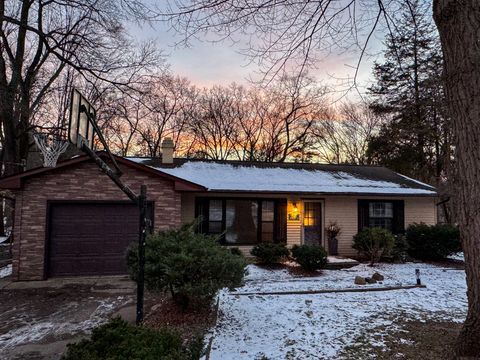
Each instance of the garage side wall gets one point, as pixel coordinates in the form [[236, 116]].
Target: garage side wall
[[85, 182]]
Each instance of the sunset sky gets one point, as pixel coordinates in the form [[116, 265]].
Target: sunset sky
[[206, 63]]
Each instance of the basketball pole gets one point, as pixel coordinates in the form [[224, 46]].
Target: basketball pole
[[141, 200], [142, 204]]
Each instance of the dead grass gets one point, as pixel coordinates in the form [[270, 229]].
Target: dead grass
[[407, 339]]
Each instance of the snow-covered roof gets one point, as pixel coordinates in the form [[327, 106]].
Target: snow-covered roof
[[291, 178]]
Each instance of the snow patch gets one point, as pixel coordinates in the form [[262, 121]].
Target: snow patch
[[6, 271], [458, 256]]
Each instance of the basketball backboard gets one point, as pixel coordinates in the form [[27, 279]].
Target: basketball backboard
[[81, 130]]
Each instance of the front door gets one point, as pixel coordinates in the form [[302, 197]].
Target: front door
[[312, 223]]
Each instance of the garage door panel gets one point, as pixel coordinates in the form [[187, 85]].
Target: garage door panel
[[90, 238]]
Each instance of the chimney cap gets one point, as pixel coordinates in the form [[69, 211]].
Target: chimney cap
[[167, 143]]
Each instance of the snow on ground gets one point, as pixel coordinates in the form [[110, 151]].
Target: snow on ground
[[320, 325], [338, 259], [6, 271], [458, 256]]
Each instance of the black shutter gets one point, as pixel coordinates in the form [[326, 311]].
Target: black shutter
[[363, 209], [201, 211], [398, 225], [281, 221]]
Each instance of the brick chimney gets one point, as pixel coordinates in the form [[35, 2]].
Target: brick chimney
[[167, 151]]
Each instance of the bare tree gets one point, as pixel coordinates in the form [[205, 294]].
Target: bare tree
[[122, 121], [264, 124], [458, 24], [40, 40], [283, 32], [214, 123], [291, 107], [164, 112], [345, 136]]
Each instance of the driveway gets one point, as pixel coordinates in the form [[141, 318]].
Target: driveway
[[38, 319]]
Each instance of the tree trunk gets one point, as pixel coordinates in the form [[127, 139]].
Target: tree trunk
[[458, 22]]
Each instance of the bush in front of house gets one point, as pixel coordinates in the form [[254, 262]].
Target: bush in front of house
[[399, 252], [119, 340], [374, 243], [269, 253], [432, 242], [190, 265], [236, 251], [310, 257]]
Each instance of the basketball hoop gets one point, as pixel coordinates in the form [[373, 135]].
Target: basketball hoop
[[51, 146]]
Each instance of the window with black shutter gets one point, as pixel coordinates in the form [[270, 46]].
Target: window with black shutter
[[385, 214]]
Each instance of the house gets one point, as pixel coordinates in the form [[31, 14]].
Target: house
[[72, 219]]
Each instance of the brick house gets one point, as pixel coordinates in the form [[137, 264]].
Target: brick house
[[72, 220]]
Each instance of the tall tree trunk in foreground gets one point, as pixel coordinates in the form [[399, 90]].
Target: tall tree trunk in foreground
[[458, 22]]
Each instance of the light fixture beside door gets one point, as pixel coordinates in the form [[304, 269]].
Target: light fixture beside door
[[294, 213]]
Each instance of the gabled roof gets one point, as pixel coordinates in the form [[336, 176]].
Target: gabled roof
[[238, 176], [16, 181]]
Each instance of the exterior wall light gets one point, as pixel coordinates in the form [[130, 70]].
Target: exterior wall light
[[294, 214]]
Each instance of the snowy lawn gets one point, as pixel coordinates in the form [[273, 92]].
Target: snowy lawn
[[319, 326]]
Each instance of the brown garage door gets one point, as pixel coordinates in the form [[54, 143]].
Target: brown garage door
[[90, 238]]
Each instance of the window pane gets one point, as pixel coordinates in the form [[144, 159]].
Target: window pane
[[384, 223], [215, 210], [381, 210], [267, 237], [267, 227], [267, 210], [241, 222], [215, 227], [389, 210], [311, 214]]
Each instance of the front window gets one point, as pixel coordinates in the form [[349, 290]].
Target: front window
[[215, 217], [311, 214], [380, 215], [241, 222], [268, 217]]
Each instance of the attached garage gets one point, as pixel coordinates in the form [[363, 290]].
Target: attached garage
[[72, 220], [90, 238]]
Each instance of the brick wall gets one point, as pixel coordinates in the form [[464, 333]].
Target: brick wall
[[83, 181]]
